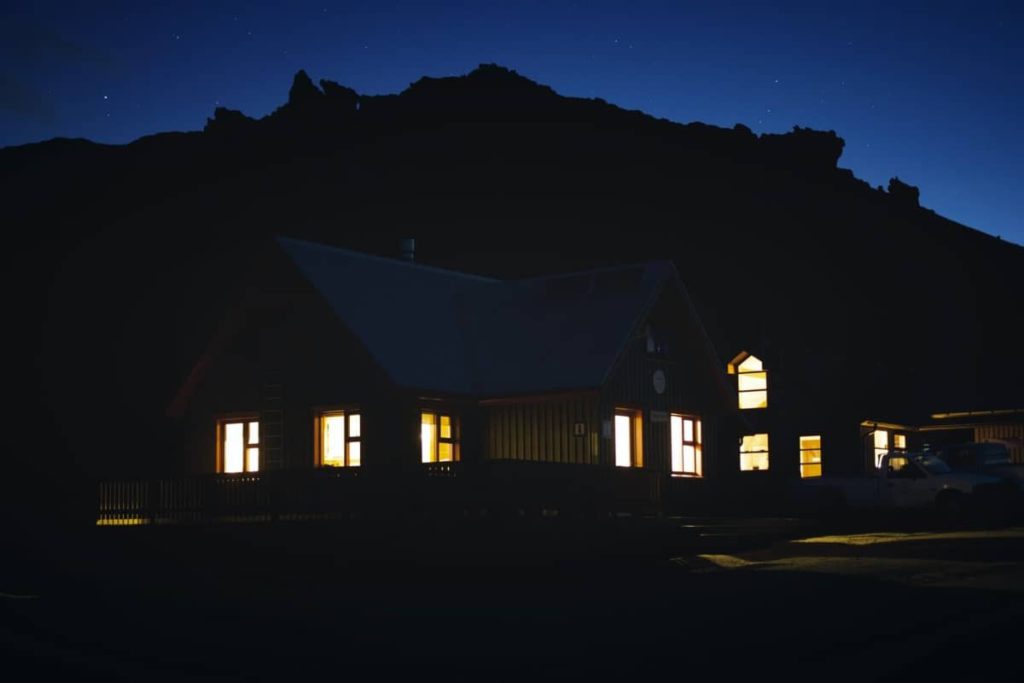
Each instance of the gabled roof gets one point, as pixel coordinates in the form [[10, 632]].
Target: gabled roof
[[443, 331]]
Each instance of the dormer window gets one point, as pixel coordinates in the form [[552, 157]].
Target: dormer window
[[751, 381]]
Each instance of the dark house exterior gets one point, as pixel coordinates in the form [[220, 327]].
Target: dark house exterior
[[340, 374]]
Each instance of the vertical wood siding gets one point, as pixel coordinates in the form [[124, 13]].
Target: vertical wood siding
[[541, 430]]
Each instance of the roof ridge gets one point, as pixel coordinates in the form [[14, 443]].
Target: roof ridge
[[388, 260]]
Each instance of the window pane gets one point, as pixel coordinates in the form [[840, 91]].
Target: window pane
[[354, 453], [752, 381], [700, 464], [428, 437], [233, 446], [446, 427], [254, 433], [751, 364], [754, 442], [807, 442], [688, 430], [699, 438], [753, 399], [689, 459], [622, 441], [753, 461], [899, 441], [252, 459], [333, 440], [354, 426], [881, 438], [676, 440], [810, 470], [444, 452]]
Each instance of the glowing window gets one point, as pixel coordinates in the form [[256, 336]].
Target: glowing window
[[628, 438], [881, 447], [239, 446], [687, 447], [754, 452], [438, 438], [810, 456], [340, 436], [751, 382], [899, 442]]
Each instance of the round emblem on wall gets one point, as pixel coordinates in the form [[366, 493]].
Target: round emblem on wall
[[659, 382]]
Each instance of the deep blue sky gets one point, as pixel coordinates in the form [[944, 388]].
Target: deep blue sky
[[931, 92]]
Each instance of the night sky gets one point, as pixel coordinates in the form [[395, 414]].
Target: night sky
[[931, 92]]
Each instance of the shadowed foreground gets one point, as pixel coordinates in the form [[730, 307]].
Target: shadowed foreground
[[273, 603]]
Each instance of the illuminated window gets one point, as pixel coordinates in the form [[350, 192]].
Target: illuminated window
[[629, 450], [687, 445], [881, 440], [899, 442], [751, 381], [439, 439], [239, 445], [810, 456], [339, 439], [754, 452]]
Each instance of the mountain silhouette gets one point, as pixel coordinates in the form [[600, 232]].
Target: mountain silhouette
[[128, 255]]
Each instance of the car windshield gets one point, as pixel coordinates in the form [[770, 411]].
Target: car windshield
[[932, 464]]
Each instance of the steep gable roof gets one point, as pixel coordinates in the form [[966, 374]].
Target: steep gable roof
[[439, 330]]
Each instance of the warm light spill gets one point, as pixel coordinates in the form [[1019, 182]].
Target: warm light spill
[[622, 441], [754, 452], [881, 438], [810, 456], [676, 434], [234, 438], [333, 439], [428, 437], [252, 459]]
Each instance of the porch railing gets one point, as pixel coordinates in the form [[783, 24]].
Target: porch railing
[[459, 488]]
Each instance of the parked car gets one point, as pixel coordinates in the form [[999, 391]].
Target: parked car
[[983, 458], [906, 480]]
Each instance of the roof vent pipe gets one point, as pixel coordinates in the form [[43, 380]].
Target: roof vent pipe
[[407, 247]]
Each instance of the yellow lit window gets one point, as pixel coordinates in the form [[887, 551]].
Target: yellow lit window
[[628, 427], [339, 436], [754, 452], [239, 446], [881, 447], [751, 381], [899, 442], [687, 448], [438, 438], [810, 456]]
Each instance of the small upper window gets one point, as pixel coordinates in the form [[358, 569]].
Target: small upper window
[[751, 381]]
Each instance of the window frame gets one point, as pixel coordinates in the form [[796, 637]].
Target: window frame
[[319, 425], [819, 463], [635, 438], [453, 439], [245, 419], [697, 442], [734, 368], [766, 452]]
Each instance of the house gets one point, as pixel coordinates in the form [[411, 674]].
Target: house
[[349, 384]]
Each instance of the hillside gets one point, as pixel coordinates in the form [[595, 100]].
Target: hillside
[[127, 254]]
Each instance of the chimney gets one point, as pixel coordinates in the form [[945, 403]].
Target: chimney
[[407, 248]]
